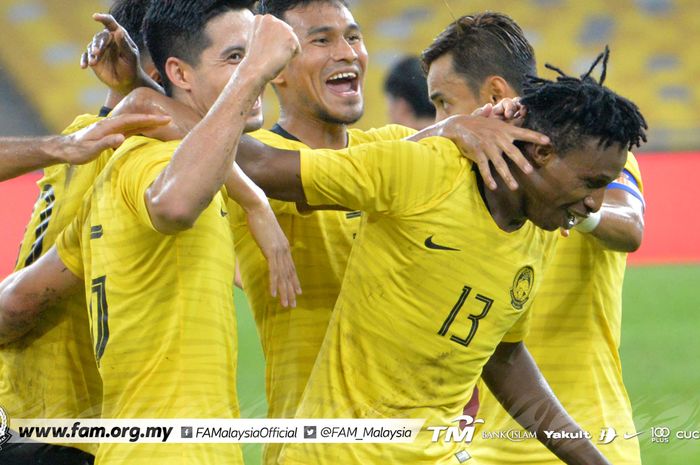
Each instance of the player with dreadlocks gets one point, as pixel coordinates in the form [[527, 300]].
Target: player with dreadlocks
[[443, 271]]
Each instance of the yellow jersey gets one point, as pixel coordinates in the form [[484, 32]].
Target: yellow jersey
[[161, 308], [432, 286], [50, 372], [574, 338], [320, 242]]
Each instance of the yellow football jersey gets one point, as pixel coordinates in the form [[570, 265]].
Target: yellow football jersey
[[432, 286], [161, 308], [50, 372], [320, 243], [574, 338]]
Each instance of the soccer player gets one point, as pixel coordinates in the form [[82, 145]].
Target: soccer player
[[443, 271], [407, 94], [575, 325], [320, 92], [153, 241], [50, 372]]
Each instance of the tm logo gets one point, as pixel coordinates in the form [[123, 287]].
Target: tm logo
[[455, 433]]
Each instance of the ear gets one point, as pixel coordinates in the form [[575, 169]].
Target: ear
[[542, 154], [179, 73], [281, 77], [495, 88]]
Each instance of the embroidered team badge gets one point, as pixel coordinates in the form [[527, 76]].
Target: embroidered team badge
[[522, 285]]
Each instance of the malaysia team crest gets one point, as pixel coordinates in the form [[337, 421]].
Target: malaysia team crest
[[4, 427], [522, 286]]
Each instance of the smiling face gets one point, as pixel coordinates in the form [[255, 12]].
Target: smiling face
[[228, 36], [450, 92], [325, 80], [569, 185]]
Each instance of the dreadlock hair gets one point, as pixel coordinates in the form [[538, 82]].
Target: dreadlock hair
[[278, 8], [130, 14], [571, 108], [176, 28]]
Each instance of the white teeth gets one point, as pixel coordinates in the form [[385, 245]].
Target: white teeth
[[343, 76]]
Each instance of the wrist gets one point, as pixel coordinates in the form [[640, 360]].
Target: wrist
[[590, 223], [53, 150]]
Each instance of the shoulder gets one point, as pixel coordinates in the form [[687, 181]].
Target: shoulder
[[80, 122], [388, 132]]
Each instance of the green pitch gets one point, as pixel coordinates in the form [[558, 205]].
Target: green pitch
[[660, 350]]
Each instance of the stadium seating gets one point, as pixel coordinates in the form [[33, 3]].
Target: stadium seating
[[654, 43]]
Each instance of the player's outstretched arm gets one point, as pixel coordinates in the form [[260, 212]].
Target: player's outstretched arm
[[115, 59], [268, 234], [514, 379], [619, 224], [204, 160], [485, 139], [25, 294], [22, 155]]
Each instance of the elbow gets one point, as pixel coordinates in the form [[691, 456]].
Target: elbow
[[170, 216], [633, 238], [17, 316]]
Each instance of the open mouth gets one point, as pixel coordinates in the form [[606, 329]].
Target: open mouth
[[344, 84]]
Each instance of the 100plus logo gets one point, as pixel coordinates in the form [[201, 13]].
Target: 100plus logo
[[456, 433]]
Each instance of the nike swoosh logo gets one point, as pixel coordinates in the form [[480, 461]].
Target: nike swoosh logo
[[432, 245], [223, 213], [630, 436]]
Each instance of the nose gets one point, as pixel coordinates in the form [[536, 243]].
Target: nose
[[343, 51], [594, 201]]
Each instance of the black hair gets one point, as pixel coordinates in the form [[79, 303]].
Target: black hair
[[278, 8], [406, 80], [175, 28], [570, 108], [130, 15], [483, 45]]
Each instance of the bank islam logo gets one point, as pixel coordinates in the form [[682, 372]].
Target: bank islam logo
[[455, 433], [4, 427]]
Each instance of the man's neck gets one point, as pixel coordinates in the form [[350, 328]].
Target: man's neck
[[506, 206], [314, 132]]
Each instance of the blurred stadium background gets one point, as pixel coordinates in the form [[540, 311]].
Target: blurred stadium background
[[655, 62]]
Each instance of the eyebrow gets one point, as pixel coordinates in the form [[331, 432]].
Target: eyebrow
[[435, 95], [324, 29], [233, 48]]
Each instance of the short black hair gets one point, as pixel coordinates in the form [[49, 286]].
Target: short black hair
[[570, 109], [406, 80], [278, 8], [175, 28], [130, 14], [483, 45]]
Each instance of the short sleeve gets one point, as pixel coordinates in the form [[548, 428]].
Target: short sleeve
[[137, 173], [520, 329], [630, 180], [69, 241], [393, 177]]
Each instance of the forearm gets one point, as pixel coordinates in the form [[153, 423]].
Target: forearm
[[142, 81], [620, 229], [19, 311], [513, 377], [23, 155], [277, 172], [242, 190], [203, 160]]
